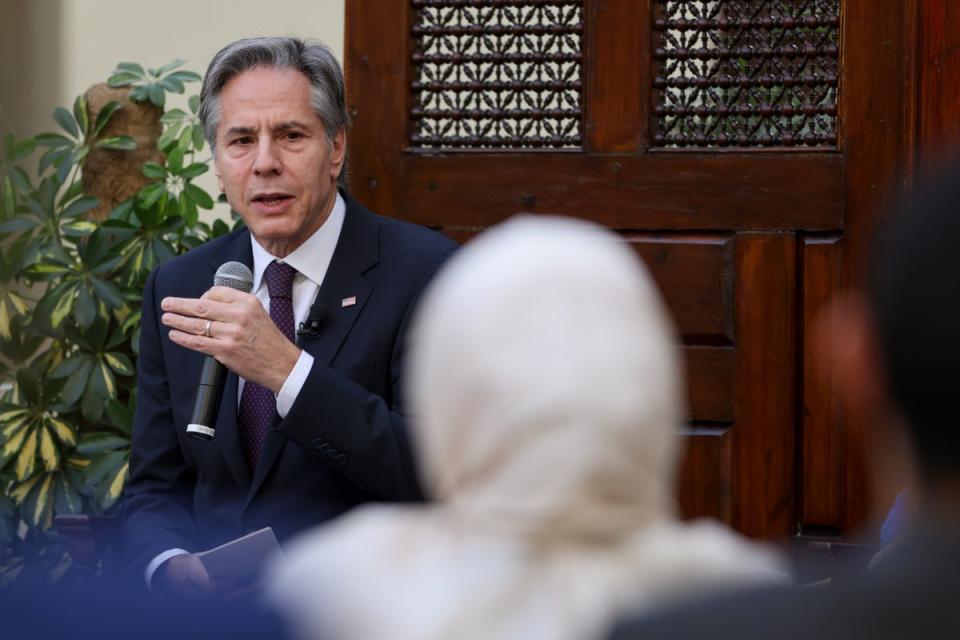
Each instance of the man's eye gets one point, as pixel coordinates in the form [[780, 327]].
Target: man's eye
[[293, 135], [243, 140]]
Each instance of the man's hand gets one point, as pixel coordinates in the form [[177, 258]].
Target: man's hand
[[241, 335], [184, 576]]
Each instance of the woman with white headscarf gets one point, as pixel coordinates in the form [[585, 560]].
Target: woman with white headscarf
[[547, 403]]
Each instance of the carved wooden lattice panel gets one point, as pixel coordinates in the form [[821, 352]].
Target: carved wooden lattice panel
[[497, 74], [746, 73]]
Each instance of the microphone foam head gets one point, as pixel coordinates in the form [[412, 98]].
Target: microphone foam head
[[235, 275]]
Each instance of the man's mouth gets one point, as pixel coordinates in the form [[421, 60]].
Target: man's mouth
[[272, 198]]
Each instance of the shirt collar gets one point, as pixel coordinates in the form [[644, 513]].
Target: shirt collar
[[311, 258]]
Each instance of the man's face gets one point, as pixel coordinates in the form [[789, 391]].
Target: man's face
[[273, 159]]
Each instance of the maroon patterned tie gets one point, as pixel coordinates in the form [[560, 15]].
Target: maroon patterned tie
[[258, 405]]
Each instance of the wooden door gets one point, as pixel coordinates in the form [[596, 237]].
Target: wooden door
[[741, 146]]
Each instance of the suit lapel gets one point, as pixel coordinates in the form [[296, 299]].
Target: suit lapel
[[228, 435], [357, 252]]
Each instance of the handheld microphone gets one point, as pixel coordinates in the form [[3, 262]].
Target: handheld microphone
[[213, 375], [313, 326]]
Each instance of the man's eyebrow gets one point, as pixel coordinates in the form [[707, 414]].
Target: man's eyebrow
[[239, 131], [290, 124]]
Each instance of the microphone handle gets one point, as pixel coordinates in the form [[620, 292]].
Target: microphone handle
[[209, 391]]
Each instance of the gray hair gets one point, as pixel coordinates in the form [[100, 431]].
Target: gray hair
[[313, 59]]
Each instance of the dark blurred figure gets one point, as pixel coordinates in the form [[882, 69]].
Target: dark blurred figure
[[896, 349], [105, 609]]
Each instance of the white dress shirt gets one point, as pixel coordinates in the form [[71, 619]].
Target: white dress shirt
[[311, 260]]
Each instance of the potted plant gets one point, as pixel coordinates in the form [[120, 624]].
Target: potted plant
[[85, 214]]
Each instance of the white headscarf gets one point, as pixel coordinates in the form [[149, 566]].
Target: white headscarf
[[547, 401]]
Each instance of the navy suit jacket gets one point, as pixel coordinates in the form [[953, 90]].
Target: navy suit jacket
[[344, 440]]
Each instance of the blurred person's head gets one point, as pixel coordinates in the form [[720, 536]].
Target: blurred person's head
[[545, 383], [546, 402], [896, 346], [914, 292]]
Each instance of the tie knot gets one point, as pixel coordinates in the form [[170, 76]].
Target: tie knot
[[279, 277]]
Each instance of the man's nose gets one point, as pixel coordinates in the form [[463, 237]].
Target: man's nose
[[267, 160]]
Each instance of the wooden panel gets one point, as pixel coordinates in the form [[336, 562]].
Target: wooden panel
[[763, 480], [822, 438], [878, 111], [617, 82], [705, 471], [939, 63], [375, 47], [654, 191], [695, 275], [710, 383]]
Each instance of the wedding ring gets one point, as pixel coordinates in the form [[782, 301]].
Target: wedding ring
[[206, 329]]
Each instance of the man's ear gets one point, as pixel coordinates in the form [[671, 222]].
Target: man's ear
[[338, 152]]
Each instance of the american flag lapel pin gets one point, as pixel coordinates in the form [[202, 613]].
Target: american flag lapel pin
[[348, 302]]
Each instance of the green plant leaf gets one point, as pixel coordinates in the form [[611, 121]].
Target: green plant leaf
[[82, 114], [198, 139], [168, 137], [173, 116], [170, 66], [118, 143], [185, 76], [20, 179], [63, 431], [154, 171], [121, 416], [68, 366], [29, 385], [53, 157], [175, 161], [96, 443], [38, 507], [19, 493], [199, 196], [113, 486], [102, 381], [66, 497], [131, 67], [108, 293], [156, 94], [84, 309], [49, 453], [78, 228], [119, 363], [172, 84], [150, 194], [122, 210], [66, 121], [188, 209], [103, 466], [53, 140], [18, 224], [13, 444], [26, 460], [91, 406], [56, 304], [77, 382], [194, 169], [123, 79], [79, 206], [106, 113]]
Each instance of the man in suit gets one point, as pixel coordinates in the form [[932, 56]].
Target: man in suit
[[309, 426], [894, 349]]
